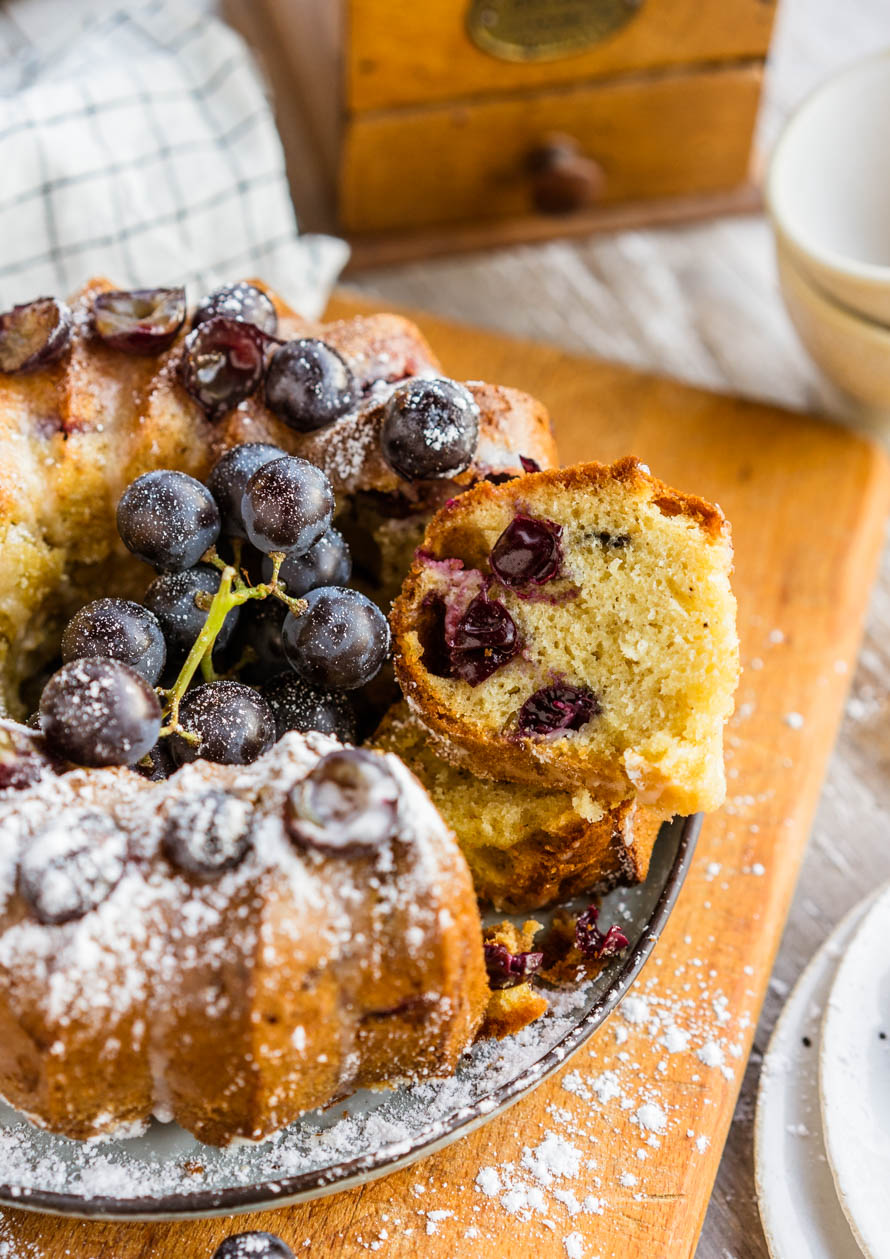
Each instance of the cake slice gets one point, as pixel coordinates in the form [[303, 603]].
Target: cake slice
[[576, 629], [527, 847]]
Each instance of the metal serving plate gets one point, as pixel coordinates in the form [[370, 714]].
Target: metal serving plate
[[166, 1173]]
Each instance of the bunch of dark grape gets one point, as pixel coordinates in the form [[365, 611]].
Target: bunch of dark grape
[[125, 693], [301, 629]]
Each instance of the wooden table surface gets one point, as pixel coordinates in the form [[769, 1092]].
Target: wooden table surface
[[702, 304]]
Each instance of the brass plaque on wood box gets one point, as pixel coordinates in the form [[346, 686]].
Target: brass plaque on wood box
[[541, 30]]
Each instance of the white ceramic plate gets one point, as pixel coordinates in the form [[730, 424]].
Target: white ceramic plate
[[854, 1080], [167, 1174], [795, 1189]]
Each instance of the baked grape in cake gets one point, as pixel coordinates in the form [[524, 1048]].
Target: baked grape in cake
[[207, 833], [309, 385], [430, 429], [347, 803], [222, 363], [34, 335], [239, 301], [142, 321], [576, 629]]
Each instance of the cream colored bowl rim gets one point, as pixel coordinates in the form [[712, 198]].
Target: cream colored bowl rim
[[845, 318], [872, 273]]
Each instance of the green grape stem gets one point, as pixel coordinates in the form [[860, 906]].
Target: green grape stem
[[233, 590]]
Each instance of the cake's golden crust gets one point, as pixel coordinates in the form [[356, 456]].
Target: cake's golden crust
[[72, 436], [526, 848], [465, 739]]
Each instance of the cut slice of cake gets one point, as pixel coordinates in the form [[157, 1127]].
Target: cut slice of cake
[[527, 847], [576, 629]]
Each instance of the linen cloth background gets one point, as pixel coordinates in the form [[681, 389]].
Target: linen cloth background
[[137, 142]]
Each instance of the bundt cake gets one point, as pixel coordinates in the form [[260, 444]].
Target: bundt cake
[[576, 629], [526, 846], [203, 924], [232, 946], [82, 418]]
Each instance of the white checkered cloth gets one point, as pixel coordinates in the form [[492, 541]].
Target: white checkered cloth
[[136, 142]]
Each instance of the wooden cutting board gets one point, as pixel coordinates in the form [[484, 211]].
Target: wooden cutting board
[[808, 503]]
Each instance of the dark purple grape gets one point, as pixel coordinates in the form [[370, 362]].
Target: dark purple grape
[[120, 629], [309, 385], [24, 757], [430, 430], [435, 653], [327, 563], [253, 1246], [239, 301], [34, 335], [171, 598], [71, 865], [558, 707], [234, 724], [142, 321], [340, 642], [260, 629], [596, 944], [298, 706], [528, 551], [222, 363], [160, 763], [206, 832], [506, 969], [229, 477], [168, 519], [348, 803], [99, 711], [484, 639], [287, 505]]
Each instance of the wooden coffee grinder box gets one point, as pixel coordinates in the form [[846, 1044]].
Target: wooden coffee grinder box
[[414, 126]]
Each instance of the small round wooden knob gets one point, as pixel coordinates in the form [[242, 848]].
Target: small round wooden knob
[[562, 178]]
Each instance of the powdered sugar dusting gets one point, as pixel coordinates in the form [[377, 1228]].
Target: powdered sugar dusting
[[108, 946], [368, 1126]]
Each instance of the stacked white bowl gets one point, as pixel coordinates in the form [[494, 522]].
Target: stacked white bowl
[[828, 197]]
